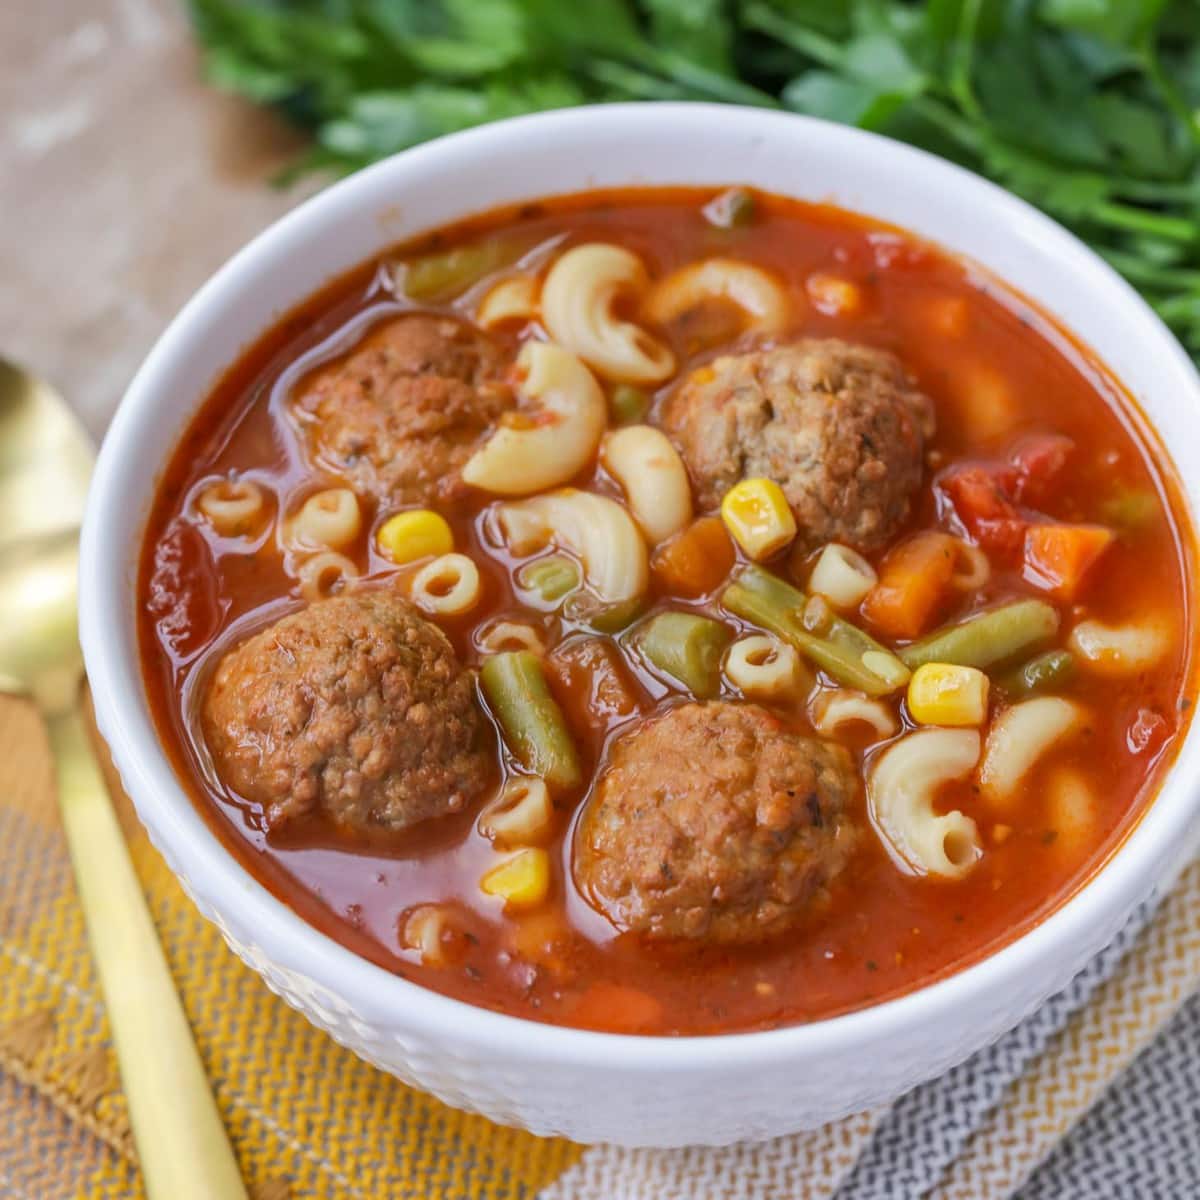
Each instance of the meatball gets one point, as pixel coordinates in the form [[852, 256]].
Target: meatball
[[714, 822], [400, 415], [355, 707], [841, 428]]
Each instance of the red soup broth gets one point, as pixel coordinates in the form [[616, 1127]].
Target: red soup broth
[[997, 370]]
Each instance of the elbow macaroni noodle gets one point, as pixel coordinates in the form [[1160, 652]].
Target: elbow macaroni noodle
[[900, 793], [833, 708], [653, 477], [1120, 649], [761, 665], [509, 635], [842, 576], [1019, 736], [577, 310], [232, 506], [759, 296], [519, 460], [521, 815], [513, 299], [447, 586], [597, 530], [327, 520], [325, 573]]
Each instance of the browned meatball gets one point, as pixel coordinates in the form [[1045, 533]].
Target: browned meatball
[[355, 707], [840, 427], [400, 415], [714, 823]]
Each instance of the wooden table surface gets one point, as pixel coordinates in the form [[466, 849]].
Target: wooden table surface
[[124, 182]]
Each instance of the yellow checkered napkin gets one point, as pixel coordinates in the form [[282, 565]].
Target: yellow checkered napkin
[[309, 1119]]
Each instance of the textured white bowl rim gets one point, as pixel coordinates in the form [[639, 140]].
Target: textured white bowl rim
[[377, 995]]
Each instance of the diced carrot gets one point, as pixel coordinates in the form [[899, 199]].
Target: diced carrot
[[1058, 557], [982, 498], [914, 580], [696, 560], [1039, 461], [616, 1008]]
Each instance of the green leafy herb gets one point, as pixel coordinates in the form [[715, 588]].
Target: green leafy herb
[[1088, 108]]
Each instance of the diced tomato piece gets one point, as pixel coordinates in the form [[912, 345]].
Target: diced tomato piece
[[914, 579], [1058, 557], [982, 498], [1039, 460]]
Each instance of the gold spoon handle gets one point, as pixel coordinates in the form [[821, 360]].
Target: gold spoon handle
[[184, 1151]]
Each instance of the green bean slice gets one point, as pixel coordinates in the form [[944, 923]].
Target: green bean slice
[[688, 648], [589, 610], [448, 273], [629, 404], [842, 650], [988, 637], [551, 577], [1041, 673], [1130, 508], [534, 727]]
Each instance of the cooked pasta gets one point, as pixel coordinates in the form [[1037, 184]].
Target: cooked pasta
[[1019, 736], [554, 443], [900, 792], [521, 815], [513, 299], [1120, 649], [597, 530], [325, 573], [509, 635], [832, 709], [842, 576], [426, 929], [759, 296], [763, 666], [233, 507], [329, 519], [653, 477], [1070, 808], [447, 586], [577, 310]]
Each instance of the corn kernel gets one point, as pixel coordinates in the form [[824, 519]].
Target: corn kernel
[[409, 536], [522, 881], [946, 694], [757, 514]]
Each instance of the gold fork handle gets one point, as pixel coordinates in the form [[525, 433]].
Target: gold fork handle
[[184, 1151]]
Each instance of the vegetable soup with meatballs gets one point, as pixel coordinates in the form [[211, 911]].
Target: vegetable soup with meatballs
[[668, 612]]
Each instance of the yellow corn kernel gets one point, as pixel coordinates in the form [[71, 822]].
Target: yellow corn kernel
[[757, 514], [409, 536], [945, 694], [521, 880]]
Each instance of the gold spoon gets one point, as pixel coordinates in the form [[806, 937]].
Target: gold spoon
[[45, 465]]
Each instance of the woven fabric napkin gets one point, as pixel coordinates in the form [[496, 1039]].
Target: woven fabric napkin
[[1096, 1095]]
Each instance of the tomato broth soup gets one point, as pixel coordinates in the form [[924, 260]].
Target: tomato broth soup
[[668, 611]]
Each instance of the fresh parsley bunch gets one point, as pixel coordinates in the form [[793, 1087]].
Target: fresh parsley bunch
[[1087, 108]]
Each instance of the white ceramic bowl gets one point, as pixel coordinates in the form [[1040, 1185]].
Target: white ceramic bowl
[[592, 1086]]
